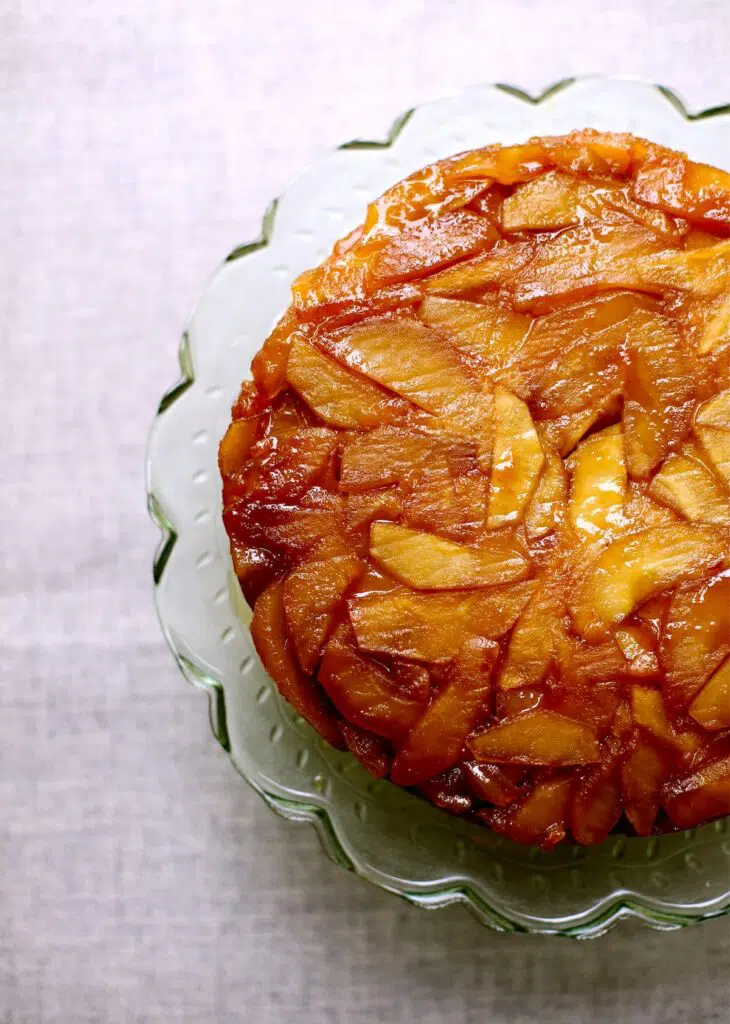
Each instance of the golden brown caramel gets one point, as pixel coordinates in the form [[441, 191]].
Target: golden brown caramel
[[478, 492]]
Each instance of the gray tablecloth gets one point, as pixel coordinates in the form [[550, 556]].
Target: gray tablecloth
[[140, 879]]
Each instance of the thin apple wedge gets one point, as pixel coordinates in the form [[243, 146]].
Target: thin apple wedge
[[537, 738], [531, 646], [437, 741], [685, 188], [494, 783], [312, 593], [712, 426], [643, 773], [288, 529], [596, 804], [659, 393], [700, 796], [340, 397], [541, 817], [488, 331], [453, 506], [685, 484], [548, 503], [634, 568], [373, 752], [236, 444], [433, 627], [696, 638], [517, 460], [598, 483], [268, 629], [497, 267], [636, 643], [364, 693], [427, 562], [711, 706], [390, 455]]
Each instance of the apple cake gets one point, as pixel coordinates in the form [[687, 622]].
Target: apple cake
[[478, 490]]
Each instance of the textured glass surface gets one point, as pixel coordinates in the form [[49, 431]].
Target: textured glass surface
[[371, 827]]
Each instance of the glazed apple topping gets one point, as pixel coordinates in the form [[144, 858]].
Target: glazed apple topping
[[478, 490]]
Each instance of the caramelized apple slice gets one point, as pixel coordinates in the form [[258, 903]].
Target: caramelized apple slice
[[338, 396], [716, 331], [685, 484], [712, 426], [492, 782], [362, 509], [427, 562], [268, 631], [236, 444], [532, 644], [364, 693], [517, 460], [389, 455], [711, 706], [583, 261], [373, 752], [437, 741], [537, 737], [636, 643], [489, 331], [497, 267], [289, 529], [648, 711], [564, 432], [455, 507], [685, 188], [433, 627], [312, 593], [558, 200], [598, 483], [696, 638], [434, 243], [547, 505], [541, 818], [596, 805], [700, 796], [632, 569], [643, 773], [412, 360], [659, 392]]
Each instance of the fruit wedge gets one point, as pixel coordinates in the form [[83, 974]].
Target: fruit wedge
[[659, 392], [537, 738], [517, 460], [337, 395], [711, 706], [426, 247], [542, 816], [700, 796], [632, 569], [696, 638], [643, 773], [455, 507], [236, 444], [596, 804], [389, 455], [598, 483], [373, 752], [364, 693], [312, 593], [712, 426], [427, 562], [437, 741], [685, 188], [492, 782], [636, 643], [433, 627], [532, 644], [268, 629], [487, 332], [497, 267], [548, 503], [685, 484]]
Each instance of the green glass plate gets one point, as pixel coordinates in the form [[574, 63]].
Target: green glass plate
[[371, 827]]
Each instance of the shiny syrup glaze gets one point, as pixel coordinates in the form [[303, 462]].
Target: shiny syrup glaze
[[477, 492]]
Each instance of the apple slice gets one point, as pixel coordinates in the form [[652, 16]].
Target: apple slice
[[364, 693], [541, 818], [596, 805], [660, 392], [643, 773], [497, 267], [634, 568], [517, 460], [268, 630], [437, 741], [712, 426], [547, 505], [312, 593], [685, 484], [598, 483], [373, 752], [288, 529], [636, 643], [422, 248], [236, 444], [696, 638], [648, 711], [700, 796], [488, 331], [340, 397], [389, 455], [427, 562], [362, 509], [716, 331], [685, 189], [433, 627], [535, 738], [531, 644], [455, 507], [711, 706], [492, 782]]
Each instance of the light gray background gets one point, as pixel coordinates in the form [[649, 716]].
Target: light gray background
[[141, 880]]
